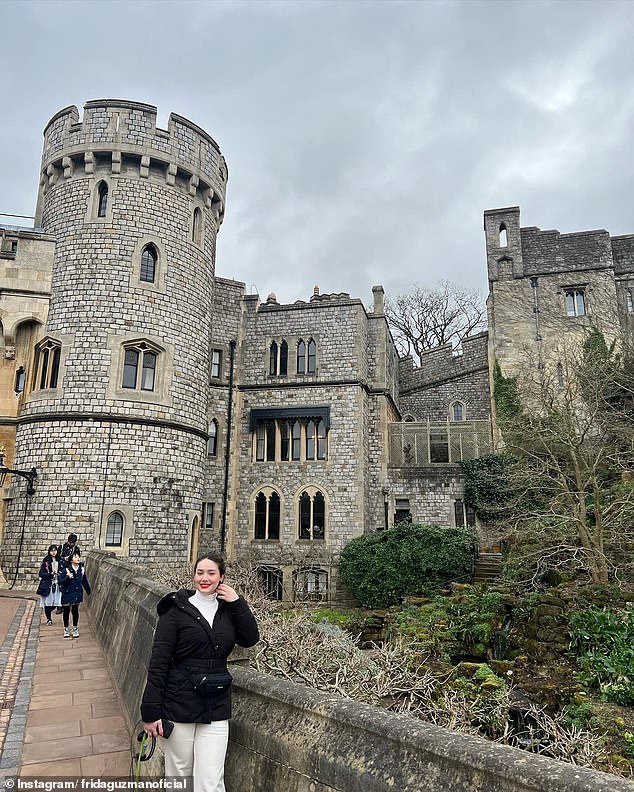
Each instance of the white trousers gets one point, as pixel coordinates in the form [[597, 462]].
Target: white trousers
[[198, 750]]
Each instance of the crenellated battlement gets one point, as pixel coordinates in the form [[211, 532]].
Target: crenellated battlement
[[120, 133]]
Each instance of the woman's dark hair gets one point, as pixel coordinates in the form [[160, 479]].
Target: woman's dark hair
[[72, 537], [76, 552], [216, 558], [50, 547]]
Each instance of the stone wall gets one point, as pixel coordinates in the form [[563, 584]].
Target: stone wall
[[289, 738]]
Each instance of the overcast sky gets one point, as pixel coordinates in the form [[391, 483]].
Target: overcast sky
[[364, 139]]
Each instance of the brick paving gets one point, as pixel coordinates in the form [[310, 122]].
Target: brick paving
[[59, 712]]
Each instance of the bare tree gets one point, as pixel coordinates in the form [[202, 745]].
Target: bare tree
[[568, 424], [425, 318]]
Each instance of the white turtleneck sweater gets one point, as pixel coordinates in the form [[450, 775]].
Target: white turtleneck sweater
[[207, 604]]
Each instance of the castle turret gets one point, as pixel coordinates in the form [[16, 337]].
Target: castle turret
[[115, 418]]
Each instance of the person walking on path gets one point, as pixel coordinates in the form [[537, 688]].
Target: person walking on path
[[188, 682], [64, 552], [73, 581], [49, 588]]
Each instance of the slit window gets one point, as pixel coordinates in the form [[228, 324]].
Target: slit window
[[212, 443], [216, 363], [102, 199], [628, 301], [503, 237]]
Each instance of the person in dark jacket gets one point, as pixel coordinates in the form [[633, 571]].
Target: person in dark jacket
[[188, 682], [49, 589], [73, 581]]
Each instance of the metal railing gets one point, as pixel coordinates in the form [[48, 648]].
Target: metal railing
[[438, 442]]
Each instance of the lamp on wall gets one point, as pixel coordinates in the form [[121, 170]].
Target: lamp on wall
[[29, 475]]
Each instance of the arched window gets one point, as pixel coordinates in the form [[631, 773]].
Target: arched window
[[312, 357], [212, 443], [301, 357], [312, 515], [457, 411], [102, 199], [267, 515], [503, 238], [114, 530], [149, 258], [47, 359], [283, 359], [196, 226], [139, 367], [273, 359]]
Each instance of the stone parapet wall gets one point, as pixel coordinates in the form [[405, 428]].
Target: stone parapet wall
[[290, 738]]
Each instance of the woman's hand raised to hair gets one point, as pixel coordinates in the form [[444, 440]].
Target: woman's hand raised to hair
[[226, 593]]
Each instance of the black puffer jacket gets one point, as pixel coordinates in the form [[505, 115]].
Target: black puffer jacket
[[185, 644]]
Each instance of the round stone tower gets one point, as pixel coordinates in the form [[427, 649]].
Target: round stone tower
[[115, 418]]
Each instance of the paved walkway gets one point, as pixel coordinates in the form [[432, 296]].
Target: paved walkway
[[59, 712]]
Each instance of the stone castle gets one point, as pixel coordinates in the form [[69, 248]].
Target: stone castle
[[166, 410]]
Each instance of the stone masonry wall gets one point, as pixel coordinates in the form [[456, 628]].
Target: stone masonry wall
[[285, 737]]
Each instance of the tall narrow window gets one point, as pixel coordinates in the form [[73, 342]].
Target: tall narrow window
[[139, 367], [503, 238], [304, 516], [260, 441], [216, 363], [458, 508], [321, 440], [149, 257], [209, 515], [310, 440], [283, 359], [312, 357], [260, 516], [575, 302], [296, 441], [284, 441], [196, 226], [628, 301], [301, 358], [273, 359], [212, 443], [20, 379], [102, 203], [149, 371], [114, 530], [270, 441]]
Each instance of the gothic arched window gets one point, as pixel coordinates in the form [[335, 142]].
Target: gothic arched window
[[149, 259], [102, 199]]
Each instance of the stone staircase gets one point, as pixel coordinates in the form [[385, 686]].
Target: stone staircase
[[487, 567]]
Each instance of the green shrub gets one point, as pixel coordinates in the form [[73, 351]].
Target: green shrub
[[603, 640], [379, 569]]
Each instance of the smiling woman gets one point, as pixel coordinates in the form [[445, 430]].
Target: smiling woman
[[188, 682]]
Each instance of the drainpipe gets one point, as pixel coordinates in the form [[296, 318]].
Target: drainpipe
[[223, 530]]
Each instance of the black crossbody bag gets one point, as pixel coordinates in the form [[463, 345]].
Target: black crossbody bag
[[207, 683]]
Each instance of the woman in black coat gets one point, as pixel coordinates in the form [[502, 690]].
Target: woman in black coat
[[49, 590], [73, 580], [188, 682]]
